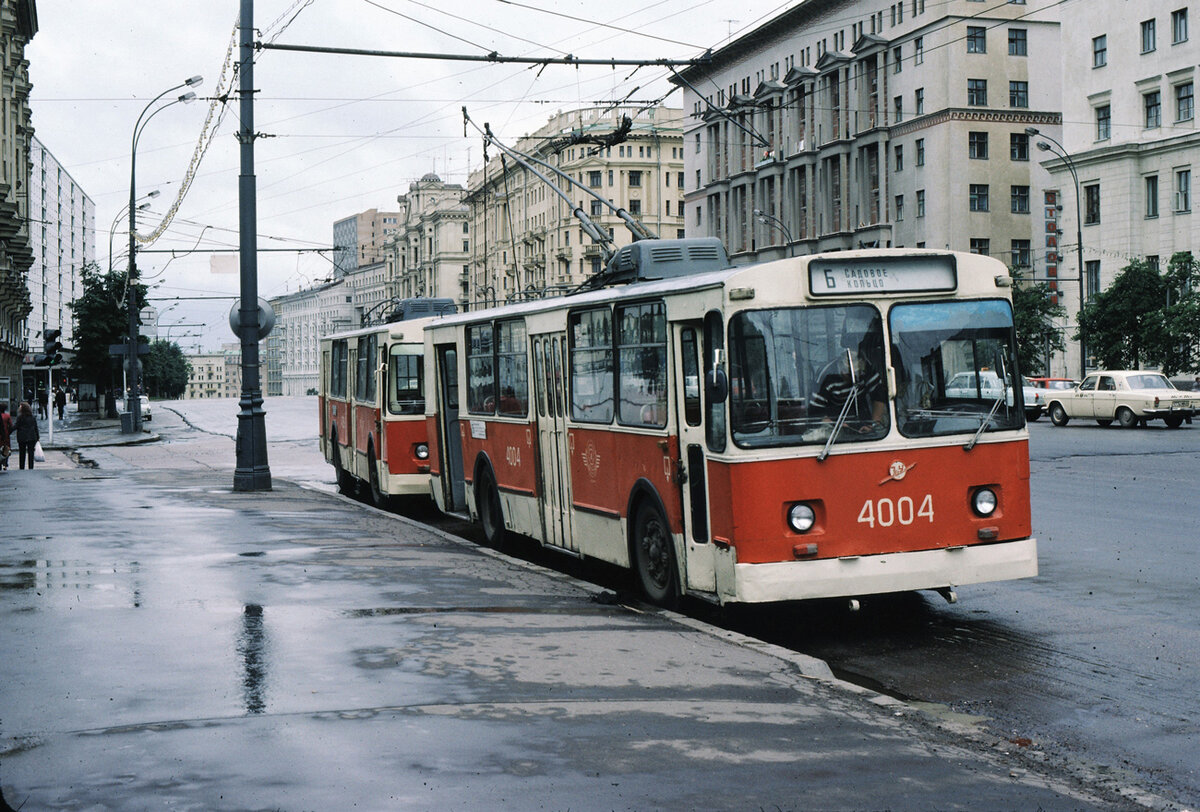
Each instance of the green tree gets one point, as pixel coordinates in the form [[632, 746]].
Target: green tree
[[1177, 345], [1123, 325], [166, 370], [1034, 313], [101, 319]]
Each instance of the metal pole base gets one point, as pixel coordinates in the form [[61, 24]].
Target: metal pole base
[[252, 472]]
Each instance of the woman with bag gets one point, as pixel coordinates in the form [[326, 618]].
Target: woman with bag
[[5, 438], [27, 433]]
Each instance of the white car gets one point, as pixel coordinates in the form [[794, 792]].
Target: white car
[[144, 402], [1127, 396], [1034, 400]]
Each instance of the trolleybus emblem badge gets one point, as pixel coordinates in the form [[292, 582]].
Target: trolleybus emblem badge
[[591, 460], [897, 471]]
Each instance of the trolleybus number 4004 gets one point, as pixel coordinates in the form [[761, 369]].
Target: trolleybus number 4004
[[885, 513]]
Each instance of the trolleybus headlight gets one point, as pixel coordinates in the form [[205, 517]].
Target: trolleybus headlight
[[984, 502], [801, 518], [422, 451]]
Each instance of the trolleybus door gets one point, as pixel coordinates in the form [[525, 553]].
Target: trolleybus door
[[553, 457], [450, 448], [689, 381]]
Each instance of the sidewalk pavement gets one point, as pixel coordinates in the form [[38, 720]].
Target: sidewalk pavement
[[90, 430], [170, 643]]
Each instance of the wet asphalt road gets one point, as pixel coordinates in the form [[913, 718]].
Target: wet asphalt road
[[1091, 665]]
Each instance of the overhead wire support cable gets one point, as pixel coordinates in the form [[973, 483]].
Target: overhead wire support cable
[[762, 142], [494, 56]]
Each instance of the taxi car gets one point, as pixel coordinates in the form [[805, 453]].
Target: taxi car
[[989, 385], [1127, 396]]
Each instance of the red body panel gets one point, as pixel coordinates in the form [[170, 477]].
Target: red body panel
[[399, 438], [366, 421], [511, 449], [433, 438], [749, 501], [337, 417], [606, 464]]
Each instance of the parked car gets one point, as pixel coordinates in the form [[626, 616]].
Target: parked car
[[144, 401], [1035, 401], [1053, 383], [987, 386], [1127, 396]]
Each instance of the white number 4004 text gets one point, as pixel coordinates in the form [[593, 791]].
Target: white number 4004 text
[[885, 512]]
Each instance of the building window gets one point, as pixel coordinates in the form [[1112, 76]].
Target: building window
[[1020, 200], [899, 152], [977, 92], [1151, 182], [1018, 94], [920, 202], [697, 148], [635, 178], [597, 208], [1092, 274], [610, 175], [635, 207], [1018, 147], [920, 146], [898, 102], [595, 178], [1022, 255], [1103, 123], [1017, 42], [919, 99], [976, 39], [1153, 104], [899, 207], [1183, 190], [1179, 26], [981, 245], [1149, 37], [977, 145], [1091, 204], [918, 50], [1099, 51], [1184, 102], [897, 59], [979, 197]]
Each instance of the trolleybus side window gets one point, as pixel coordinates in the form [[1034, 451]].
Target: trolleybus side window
[[714, 353], [795, 373], [406, 381], [481, 374], [955, 365], [591, 366], [512, 366], [642, 364], [337, 370], [364, 384], [691, 376]]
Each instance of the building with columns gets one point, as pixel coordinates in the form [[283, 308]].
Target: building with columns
[[428, 254], [526, 239], [845, 124]]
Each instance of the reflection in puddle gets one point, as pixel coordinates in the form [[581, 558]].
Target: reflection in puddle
[[251, 647]]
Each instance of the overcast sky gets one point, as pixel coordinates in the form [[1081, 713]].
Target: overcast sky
[[346, 133]]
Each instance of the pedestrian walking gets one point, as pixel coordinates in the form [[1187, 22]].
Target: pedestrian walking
[[6, 428], [60, 401], [43, 401], [27, 433]]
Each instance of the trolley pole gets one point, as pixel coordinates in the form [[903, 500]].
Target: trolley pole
[[252, 472]]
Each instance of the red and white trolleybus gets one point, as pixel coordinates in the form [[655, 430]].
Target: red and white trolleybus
[[372, 407], [787, 430]]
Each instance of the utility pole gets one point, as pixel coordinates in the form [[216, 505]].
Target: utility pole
[[252, 472]]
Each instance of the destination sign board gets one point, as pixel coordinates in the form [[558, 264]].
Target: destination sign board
[[831, 276]]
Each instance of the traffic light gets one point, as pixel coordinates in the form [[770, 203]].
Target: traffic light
[[51, 350]]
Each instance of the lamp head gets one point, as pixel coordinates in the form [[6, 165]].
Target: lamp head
[[1043, 146], [153, 193], [193, 81], [758, 212], [187, 98], [1032, 131]]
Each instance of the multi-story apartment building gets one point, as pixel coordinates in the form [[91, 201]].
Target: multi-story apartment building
[[216, 374], [526, 239], [63, 234], [301, 319], [360, 239], [844, 124], [429, 253], [1129, 132], [18, 25]]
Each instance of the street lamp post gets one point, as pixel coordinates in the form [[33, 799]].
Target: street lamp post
[[1045, 146], [770, 219], [131, 401], [113, 228]]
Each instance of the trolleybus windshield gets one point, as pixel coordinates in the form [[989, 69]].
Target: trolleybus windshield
[[954, 365]]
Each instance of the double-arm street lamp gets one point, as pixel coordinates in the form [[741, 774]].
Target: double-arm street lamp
[[770, 219], [135, 407], [1059, 150]]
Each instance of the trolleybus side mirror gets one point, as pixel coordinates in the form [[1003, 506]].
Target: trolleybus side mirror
[[716, 384]]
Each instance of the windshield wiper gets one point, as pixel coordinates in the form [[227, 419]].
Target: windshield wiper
[[1002, 397]]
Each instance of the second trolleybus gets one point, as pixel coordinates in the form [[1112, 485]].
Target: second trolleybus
[[788, 430]]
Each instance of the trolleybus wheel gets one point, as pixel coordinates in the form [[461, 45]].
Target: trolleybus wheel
[[378, 497], [654, 556], [345, 482], [491, 514], [1126, 418], [1106, 422], [1058, 415]]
